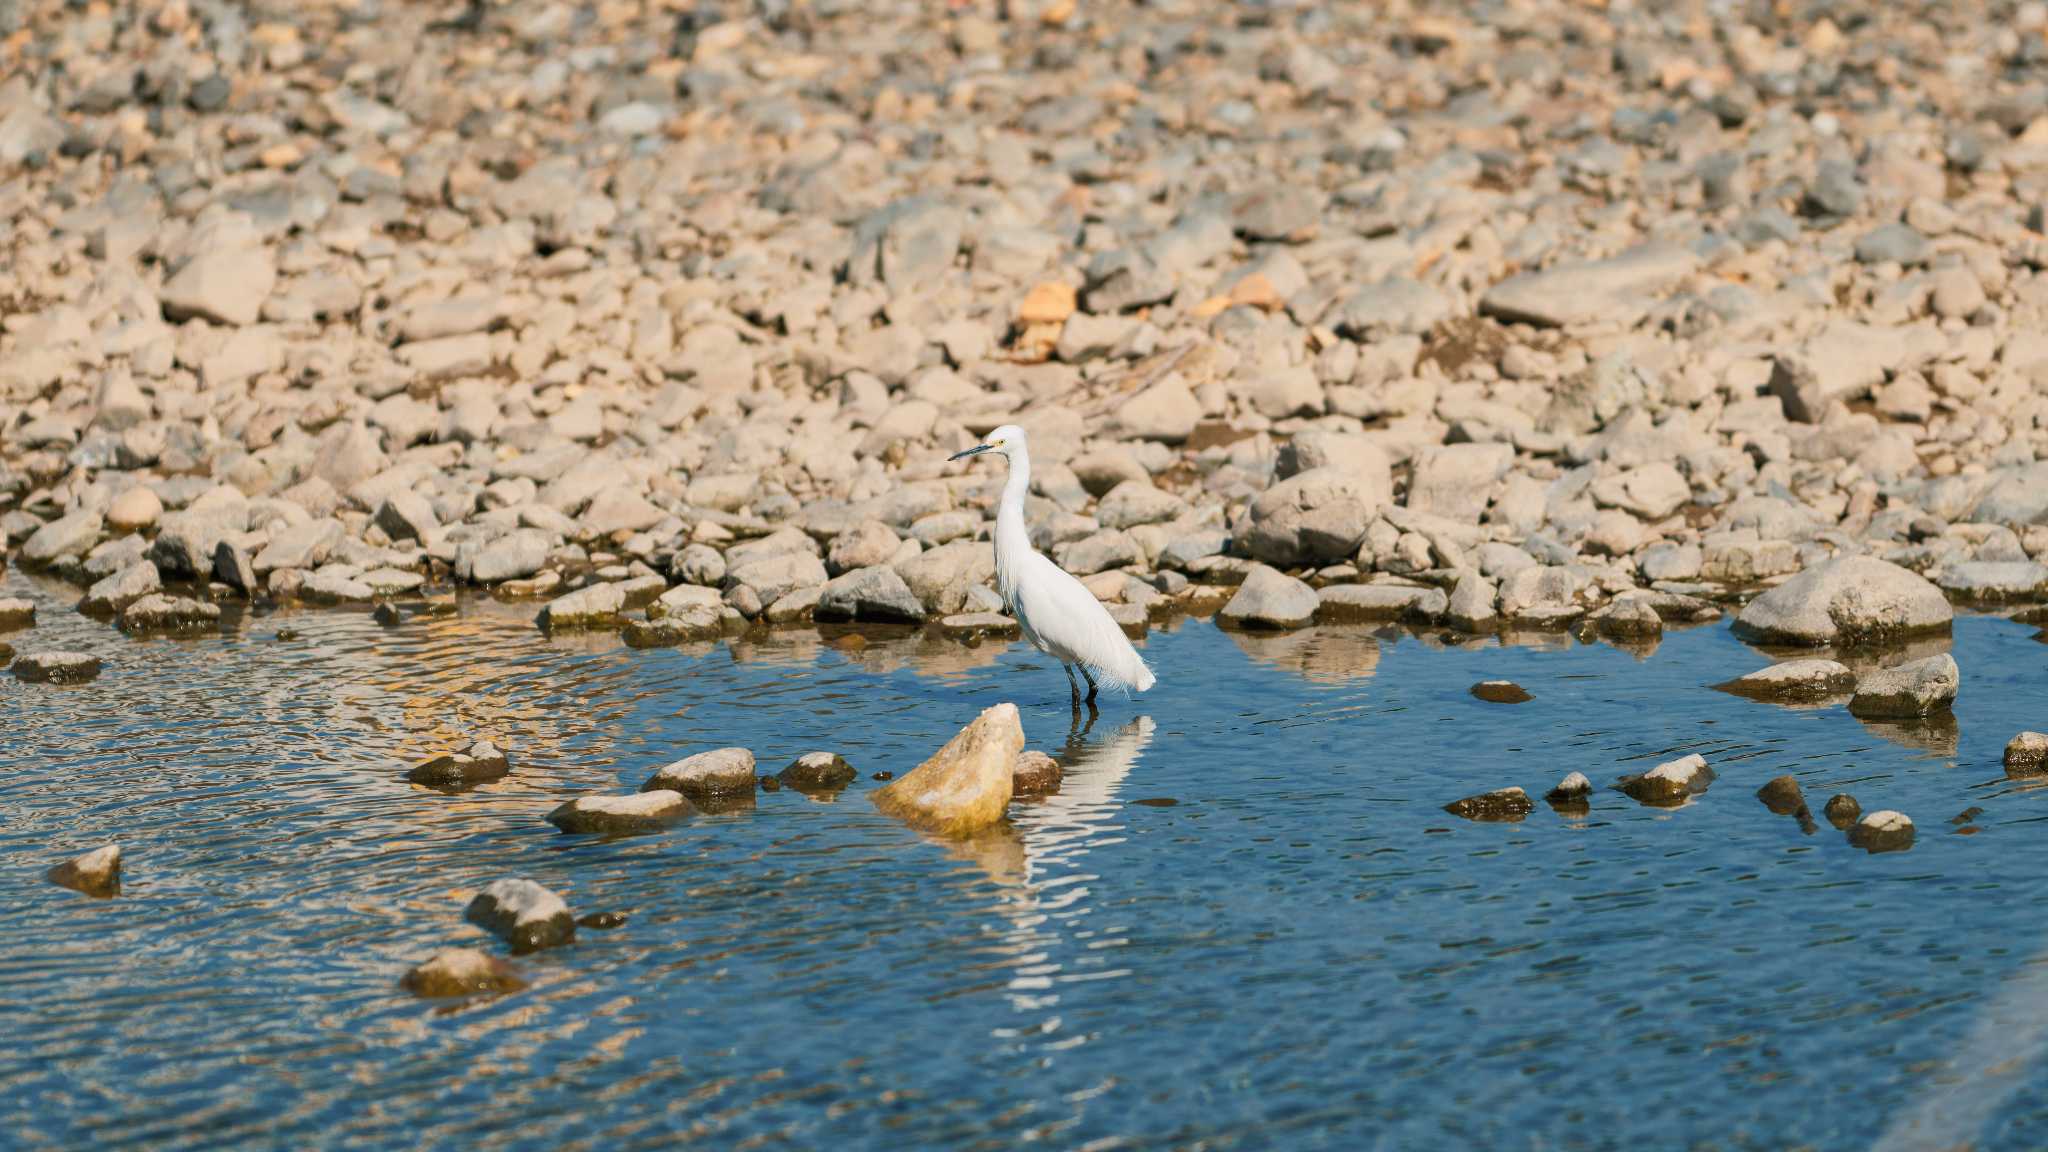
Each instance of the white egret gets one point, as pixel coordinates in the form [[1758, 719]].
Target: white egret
[[1058, 614]]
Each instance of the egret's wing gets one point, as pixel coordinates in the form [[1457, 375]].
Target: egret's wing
[[1074, 627]]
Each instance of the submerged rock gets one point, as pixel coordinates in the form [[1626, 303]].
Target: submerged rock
[[2027, 755], [120, 589], [965, 786], [97, 873], [719, 773], [1501, 692], [594, 607], [1915, 688], [1851, 600], [480, 763], [52, 667], [1842, 810], [1269, 598], [602, 921], [1036, 774], [621, 815], [817, 772], [1782, 795], [527, 915], [461, 972], [1671, 783], [1500, 804], [1794, 682], [1882, 831]]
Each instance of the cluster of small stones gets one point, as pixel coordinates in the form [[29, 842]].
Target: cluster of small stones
[[1479, 315]]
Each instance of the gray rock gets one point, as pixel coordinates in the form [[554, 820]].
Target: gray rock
[[232, 567], [121, 589], [1456, 481], [621, 815], [1167, 411], [1397, 305], [864, 545], [528, 916], [157, 614], [1341, 603], [1994, 580], [335, 587], [874, 594], [224, 285], [1099, 553], [513, 556], [1850, 600], [1289, 213], [1136, 502], [1794, 681], [1471, 607], [1916, 688], [66, 536], [2016, 497], [1319, 516], [704, 565], [1269, 598], [774, 576], [596, 606], [1892, 243], [1670, 783], [304, 545], [707, 776], [407, 516], [54, 667], [480, 763], [1612, 289], [1628, 618]]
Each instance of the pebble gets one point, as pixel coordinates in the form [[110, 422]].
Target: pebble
[[1036, 774], [1501, 692], [817, 773], [479, 763], [1671, 783], [1842, 810]]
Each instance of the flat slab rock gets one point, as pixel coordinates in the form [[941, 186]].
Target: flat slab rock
[[1671, 783], [461, 972], [480, 763], [527, 915], [720, 772], [157, 613], [1794, 681], [1500, 804], [621, 815], [52, 667], [1916, 688]]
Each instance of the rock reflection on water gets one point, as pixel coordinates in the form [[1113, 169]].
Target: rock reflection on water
[[1324, 654]]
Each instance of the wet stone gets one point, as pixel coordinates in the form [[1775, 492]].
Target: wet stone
[[719, 773], [1882, 831], [16, 614], [2027, 754], [157, 614], [53, 667], [1501, 692], [1782, 795], [1671, 783], [1036, 774], [1794, 681], [964, 787], [817, 772], [602, 921], [1501, 804], [621, 815], [1966, 816], [1574, 788], [1914, 689], [528, 916], [97, 873], [387, 614], [480, 763], [1842, 810], [461, 972]]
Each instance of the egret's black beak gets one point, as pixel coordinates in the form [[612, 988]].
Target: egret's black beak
[[977, 450]]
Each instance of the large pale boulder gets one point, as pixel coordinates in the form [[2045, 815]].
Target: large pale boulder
[[1851, 600], [965, 786], [1321, 515]]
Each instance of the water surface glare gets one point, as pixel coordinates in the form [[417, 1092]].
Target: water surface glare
[[1303, 951]]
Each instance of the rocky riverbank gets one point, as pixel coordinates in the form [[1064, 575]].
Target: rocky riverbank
[[1476, 315]]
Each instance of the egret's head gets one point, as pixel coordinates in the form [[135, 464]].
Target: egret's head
[[1008, 441]]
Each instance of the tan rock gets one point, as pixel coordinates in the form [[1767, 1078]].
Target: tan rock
[[1049, 302], [461, 972], [965, 786]]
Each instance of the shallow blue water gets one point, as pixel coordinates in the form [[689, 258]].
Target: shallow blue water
[[1304, 951]]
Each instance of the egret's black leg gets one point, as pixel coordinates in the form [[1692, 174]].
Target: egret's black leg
[[1090, 677], [1073, 687]]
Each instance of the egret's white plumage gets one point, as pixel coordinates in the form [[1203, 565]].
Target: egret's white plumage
[[1058, 614]]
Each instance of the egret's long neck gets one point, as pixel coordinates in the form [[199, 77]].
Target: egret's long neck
[[1013, 540]]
